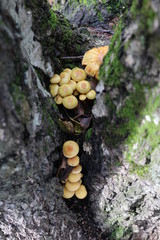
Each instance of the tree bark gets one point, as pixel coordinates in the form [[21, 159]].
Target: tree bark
[[120, 156]]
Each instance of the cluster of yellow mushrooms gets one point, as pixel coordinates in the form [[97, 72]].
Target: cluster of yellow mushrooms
[[70, 84], [73, 185]]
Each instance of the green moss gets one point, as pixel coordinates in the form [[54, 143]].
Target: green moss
[[53, 21], [117, 233], [88, 134], [48, 119]]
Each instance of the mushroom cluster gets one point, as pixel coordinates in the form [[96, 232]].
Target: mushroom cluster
[[70, 85], [73, 185]]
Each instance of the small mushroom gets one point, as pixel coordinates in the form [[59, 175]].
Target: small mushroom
[[92, 69], [72, 84], [65, 90], [67, 194], [58, 99], [77, 169], [91, 95], [75, 93], [65, 78], [68, 70], [73, 186], [73, 161], [53, 89], [70, 102], [82, 97], [81, 192], [83, 86], [78, 74], [74, 177], [70, 149], [55, 79]]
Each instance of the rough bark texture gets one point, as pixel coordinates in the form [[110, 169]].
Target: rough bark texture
[[121, 152]]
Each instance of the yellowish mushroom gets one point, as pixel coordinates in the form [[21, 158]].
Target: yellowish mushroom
[[65, 90], [70, 102], [55, 79], [75, 93], [53, 89], [78, 74], [58, 99], [83, 86], [77, 169], [81, 192], [65, 78], [72, 187], [82, 97], [74, 177], [73, 161], [91, 95], [70, 149], [72, 84], [67, 194]]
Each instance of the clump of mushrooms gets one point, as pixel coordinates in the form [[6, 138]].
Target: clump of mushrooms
[[73, 185]]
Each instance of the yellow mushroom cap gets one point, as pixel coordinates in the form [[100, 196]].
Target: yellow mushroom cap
[[72, 84], [67, 194], [82, 97], [68, 70], [74, 177], [92, 69], [53, 89], [91, 95], [65, 78], [81, 192], [70, 102], [78, 74], [58, 99], [73, 161], [77, 169], [70, 149], [83, 86], [55, 79], [65, 90], [72, 186]]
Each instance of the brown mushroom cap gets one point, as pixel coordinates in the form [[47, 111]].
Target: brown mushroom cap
[[81, 192], [83, 86], [72, 186], [78, 74], [77, 169], [75, 92], [70, 149], [65, 78], [91, 95], [55, 79], [74, 177], [67, 194], [73, 161], [58, 99], [65, 90], [70, 102], [82, 97], [72, 84], [53, 89]]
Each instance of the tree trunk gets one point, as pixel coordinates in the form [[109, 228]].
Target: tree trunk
[[120, 156]]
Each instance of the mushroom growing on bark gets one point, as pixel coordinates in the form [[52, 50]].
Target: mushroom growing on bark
[[70, 149], [78, 74]]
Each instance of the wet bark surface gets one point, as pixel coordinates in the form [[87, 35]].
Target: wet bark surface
[[120, 203]]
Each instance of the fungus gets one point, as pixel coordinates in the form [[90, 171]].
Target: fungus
[[75, 92], [55, 79], [65, 90], [58, 99], [93, 59], [68, 70], [72, 84], [78, 74], [82, 97], [91, 95], [73, 161], [74, 177], [65, 78], [70, 149], [73, 186], [81, 192], [83, 86], [53, 89], [67, 194], [77, 169], [70, 102]]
